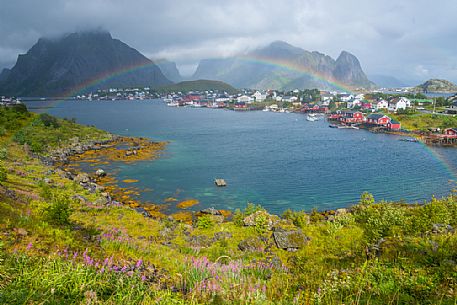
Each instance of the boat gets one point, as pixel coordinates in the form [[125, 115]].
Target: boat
[[413, 140], [310, 118], [173, 104], [333, 126]]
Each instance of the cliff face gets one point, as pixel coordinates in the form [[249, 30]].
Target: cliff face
[[169, 69], [283, 66], [54, 67]]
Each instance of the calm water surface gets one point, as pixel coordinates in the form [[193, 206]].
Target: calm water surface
[[278, 160]]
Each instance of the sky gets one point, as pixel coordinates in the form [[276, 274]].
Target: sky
[[412, 40]]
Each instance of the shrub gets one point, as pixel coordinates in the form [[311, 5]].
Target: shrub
[[3, 153], [205, 222], [298, 218], [366, 199], [48, 120], [59, 211], [2, 131], [3, 174]]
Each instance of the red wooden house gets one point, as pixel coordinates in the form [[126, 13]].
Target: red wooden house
[[394, 125], [378, 119], [450, 131], [350, 117]]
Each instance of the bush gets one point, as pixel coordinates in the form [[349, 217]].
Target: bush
[[205, 222], [3, 174], [48, 120], [59, 211], [3, 153], [239, 215], [298, 218]]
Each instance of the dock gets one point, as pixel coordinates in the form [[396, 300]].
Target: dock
[[220, 182]]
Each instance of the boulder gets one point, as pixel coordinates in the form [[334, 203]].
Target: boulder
[[211, 211], [252, 244], [82, 178], [100, 173], [222, 235], [340, 212], [439, 228], [290, 240], [199, 241], [261, 216]]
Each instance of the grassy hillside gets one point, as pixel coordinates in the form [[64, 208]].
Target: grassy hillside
[[423, 121], [63, 244], [198, 85]]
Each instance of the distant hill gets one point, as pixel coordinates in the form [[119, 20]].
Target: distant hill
[[436, 85], [198, 85], [53, 67], [169, 69], [283, 66], [386, 81]]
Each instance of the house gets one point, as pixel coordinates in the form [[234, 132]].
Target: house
[[399, 103], [354, 103], [351, 117], [382, 104], [394, 125], [345, 97], [244, 99], [452, 108], [378, 119], [450, 131], [241, 106], [259, 97]]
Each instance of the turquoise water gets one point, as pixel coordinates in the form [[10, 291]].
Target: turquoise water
[[276, 159]]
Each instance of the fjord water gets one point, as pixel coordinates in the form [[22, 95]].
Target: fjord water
[[279, 160]]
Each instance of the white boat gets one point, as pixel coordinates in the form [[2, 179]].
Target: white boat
[[173, 104], [310, 118]]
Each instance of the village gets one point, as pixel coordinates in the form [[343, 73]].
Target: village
[[375, 111]]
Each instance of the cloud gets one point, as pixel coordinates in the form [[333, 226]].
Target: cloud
[[388, 36]]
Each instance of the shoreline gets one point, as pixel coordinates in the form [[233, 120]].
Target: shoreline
[[107, 184]]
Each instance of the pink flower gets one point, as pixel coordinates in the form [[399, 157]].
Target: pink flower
[[29, 246], [139, 263]]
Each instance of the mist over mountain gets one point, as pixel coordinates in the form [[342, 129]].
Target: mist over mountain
[[387, 81], [283, 66], [87, 60], [169, 69]]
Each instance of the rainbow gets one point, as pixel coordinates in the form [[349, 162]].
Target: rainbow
[[287, 65], [94, 82], [447, 167]]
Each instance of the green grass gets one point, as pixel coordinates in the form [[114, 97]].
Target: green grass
[[422, 121], [57, 250]]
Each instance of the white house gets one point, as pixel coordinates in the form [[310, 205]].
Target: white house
[[360, 96], [346, 97], [399, 103], [382, 104], [354, 103], [244, 98], [259, 97]]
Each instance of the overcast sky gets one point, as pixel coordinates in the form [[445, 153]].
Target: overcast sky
[[409, 39]]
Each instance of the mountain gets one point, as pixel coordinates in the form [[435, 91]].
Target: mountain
[[169, 69], [386, 81], [88, 61], [283, 66], [198, 85], [437, 85]]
